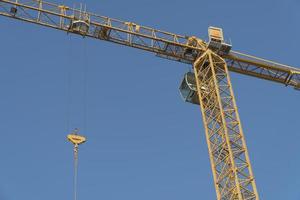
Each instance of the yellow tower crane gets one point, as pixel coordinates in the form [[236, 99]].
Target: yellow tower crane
[[208, 85]]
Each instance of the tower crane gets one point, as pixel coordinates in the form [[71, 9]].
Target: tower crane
[[208, 85]]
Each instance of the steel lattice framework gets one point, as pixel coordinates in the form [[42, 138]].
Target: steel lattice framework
[[232, 172], [233, 176], [164, 44]]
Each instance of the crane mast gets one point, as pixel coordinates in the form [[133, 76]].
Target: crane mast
[[232, 172], [209, 85]]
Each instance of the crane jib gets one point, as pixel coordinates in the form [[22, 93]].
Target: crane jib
[[164, 44], [208, 85]]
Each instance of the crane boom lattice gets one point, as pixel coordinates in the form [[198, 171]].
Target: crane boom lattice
[[209, 85], [167, 45]]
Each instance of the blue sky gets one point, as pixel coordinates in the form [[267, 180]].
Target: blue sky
[[144, 142]]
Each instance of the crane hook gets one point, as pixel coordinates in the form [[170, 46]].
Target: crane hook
[[76, 139]]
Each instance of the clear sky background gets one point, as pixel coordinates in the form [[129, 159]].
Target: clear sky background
[[144, 142]]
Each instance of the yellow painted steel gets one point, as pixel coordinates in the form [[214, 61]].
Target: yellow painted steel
[[168, 45], [230, 164], [76, 139], [232, 172]]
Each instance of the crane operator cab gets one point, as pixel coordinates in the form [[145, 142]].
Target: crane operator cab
[[188, 88], [216, 41]]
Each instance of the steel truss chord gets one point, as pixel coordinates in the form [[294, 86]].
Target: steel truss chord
[[264, 69], [100, 27], [232, 172], [167, 45], [233, 176]]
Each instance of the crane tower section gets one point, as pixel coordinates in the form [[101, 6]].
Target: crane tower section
[[232, 172], [208, 85]]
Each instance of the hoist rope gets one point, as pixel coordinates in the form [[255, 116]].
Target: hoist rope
[[85, 84], [76, 139], [82, 99], [75, 170], [68, 85]]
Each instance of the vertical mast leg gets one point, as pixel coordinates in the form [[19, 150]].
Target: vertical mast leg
[[232, 172]]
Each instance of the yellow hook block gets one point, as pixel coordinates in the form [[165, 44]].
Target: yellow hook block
[[76, 139]]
